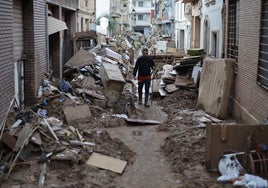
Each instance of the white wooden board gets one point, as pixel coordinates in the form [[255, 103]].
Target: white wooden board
[[107, 163]]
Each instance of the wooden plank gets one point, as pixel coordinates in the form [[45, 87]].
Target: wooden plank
[[184, 81], [107, 163], [213, 118], [142, 121], [23, 135], [22, 141], [205, 120]]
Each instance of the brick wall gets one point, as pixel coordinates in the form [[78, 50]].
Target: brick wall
[[250, 100], [6, 57], [35, 47]]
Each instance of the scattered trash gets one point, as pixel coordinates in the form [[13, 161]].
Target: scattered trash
[[42, 176], [42, 113], [51, 130], [251, 181], [75, 142], [229, 167], [64, 86], [92, 85]]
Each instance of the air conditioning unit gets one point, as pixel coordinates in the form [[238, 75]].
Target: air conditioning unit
[[188, 9]]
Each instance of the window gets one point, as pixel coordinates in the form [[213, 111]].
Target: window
[[140, 4], [140, 17], [86, 3], [262, 77], [182, 37], [82, 24], [214, 44], [233, 37]]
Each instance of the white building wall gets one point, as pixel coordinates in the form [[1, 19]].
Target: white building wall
[[212, 17], [145, 22], [145, 11], [182, 27]]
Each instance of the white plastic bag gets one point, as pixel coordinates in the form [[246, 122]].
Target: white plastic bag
[[229, 168]]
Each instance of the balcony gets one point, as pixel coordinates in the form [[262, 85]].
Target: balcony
[[143, 22], [143, 10]]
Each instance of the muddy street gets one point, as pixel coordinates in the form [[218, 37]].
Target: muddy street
[[133, 94], [89, 130], [169, 154], [150, 168]]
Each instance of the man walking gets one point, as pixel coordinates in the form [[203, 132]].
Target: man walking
[[144, 66]]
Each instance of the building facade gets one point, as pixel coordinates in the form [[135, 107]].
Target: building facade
[[229, 29], [212, 27], [120, 11], [164, 17], [183, 15], [142, 16], [7, 59], [85, 15], [246, 41], [59, 43], [36, 37]]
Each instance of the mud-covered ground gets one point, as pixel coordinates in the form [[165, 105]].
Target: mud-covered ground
[[185, 145], [170, 154]]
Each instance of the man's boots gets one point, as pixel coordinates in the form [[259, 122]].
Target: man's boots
[[140, 99], [146, 103]]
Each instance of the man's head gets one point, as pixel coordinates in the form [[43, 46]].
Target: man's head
[[144, 51]]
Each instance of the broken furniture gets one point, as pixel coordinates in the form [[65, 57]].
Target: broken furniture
[[215, 88], [112, 77]]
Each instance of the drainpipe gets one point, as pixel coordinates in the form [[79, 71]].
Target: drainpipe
[[47, 38], [223, 15]]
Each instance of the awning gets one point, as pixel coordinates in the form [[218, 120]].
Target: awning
[[55, 25]]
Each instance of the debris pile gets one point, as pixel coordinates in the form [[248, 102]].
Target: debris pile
[[97, 90]]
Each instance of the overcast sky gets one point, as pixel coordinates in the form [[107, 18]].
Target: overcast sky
[[102, 7]]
